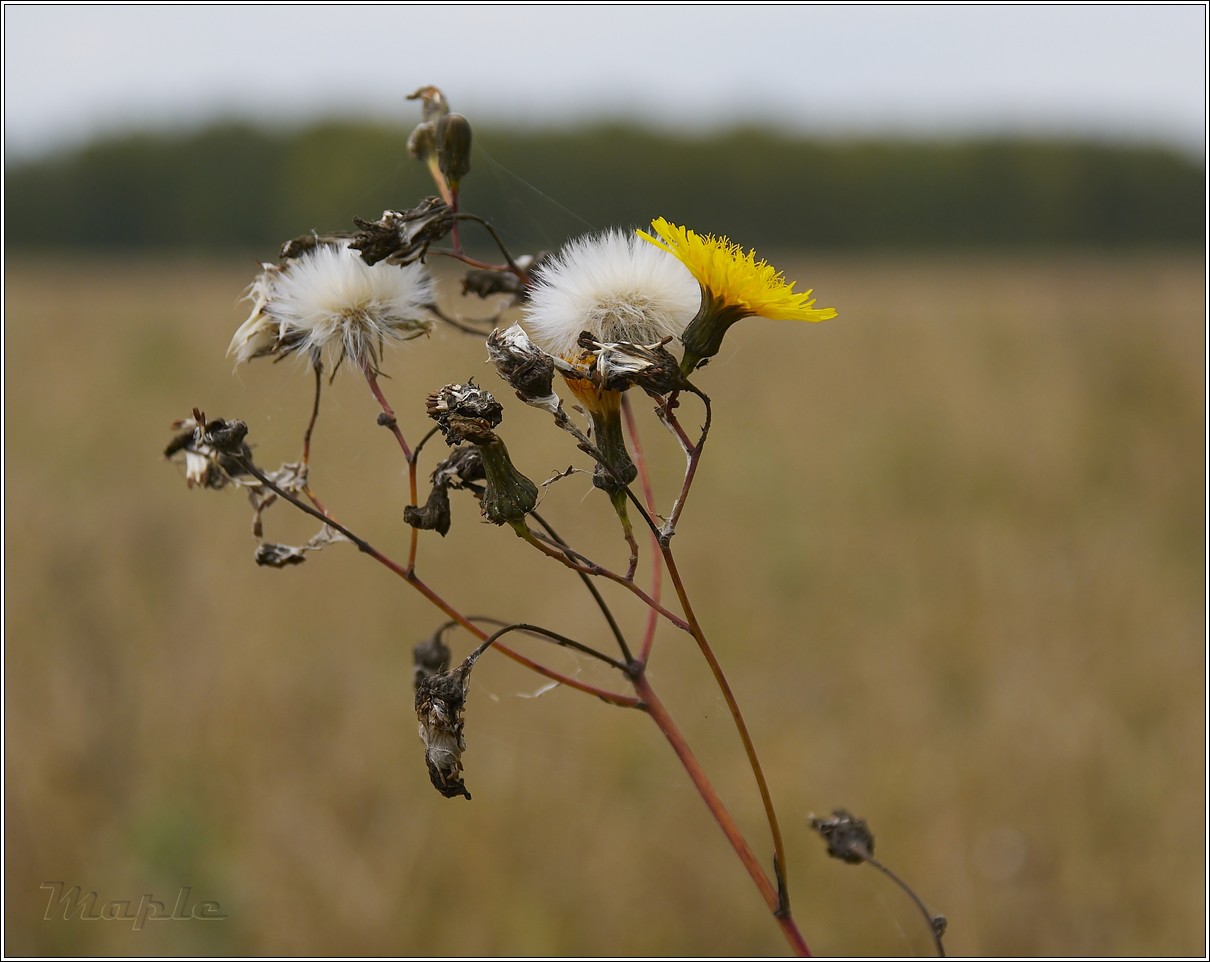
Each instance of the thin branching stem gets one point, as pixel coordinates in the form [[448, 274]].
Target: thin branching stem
[[657, 560], [619, 637], [413, 486], [416, 582], [388, 419], [695, 628], [567, 556], [694, 455], [558, 639], [930, 919], [486, 225], [466, 327], [768, 891], [319, 383]]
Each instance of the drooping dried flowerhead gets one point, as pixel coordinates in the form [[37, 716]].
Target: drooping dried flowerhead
[[440, 700], [329, 304], [403, 236], [614, 286], [214, 449], [849, 838], [465, 412], [528, 369], [734, 285]]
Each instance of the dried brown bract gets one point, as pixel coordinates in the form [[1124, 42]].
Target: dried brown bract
[[465, 412], [849, 838], [619, 365], [440, 700], [402, 237], [528, 369], [430, 658]]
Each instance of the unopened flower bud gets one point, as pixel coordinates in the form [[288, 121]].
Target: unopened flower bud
[[432, 102], [422, 143], [454, 148], [430, 658], [529, 370], [509, 495], [615, 469]]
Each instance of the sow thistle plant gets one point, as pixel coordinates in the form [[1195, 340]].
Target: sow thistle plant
[[614, 321]]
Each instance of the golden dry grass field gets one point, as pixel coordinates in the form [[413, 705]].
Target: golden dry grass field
[[949, 547]]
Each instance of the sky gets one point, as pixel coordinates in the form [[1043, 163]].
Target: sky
[[1113, 72]]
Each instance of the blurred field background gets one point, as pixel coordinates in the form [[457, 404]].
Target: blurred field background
[[949, 546]]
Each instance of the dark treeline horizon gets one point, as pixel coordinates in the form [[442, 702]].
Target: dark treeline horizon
[[236, 187]]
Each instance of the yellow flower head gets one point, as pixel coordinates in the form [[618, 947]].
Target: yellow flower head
[[734, 285]]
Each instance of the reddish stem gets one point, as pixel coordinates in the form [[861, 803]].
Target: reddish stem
[[590, 568], [768, 891], [657, 566], [779, 853]]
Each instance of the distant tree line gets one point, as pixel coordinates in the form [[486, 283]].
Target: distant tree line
[[235, 187]]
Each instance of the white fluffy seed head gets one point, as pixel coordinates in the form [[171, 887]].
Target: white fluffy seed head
[[329, 301], [615, 285]]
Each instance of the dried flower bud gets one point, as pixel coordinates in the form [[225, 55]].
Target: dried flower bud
[[305, 243], [422, 143], [485, 283], [440, 700], [215, 452], [435, 515], [464, 412], [430, 658], [463, 466], [279, 555], [509, 495], [432, 102], [529, 370], [454, 148], [849, 838], [620, 365], [283, 555], [403, 237]]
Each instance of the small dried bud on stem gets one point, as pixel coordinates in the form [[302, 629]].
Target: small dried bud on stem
[[403, 237], [529, 370], [465, 412]]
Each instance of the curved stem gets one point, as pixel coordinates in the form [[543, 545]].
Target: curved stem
[[693, 452], [930, 920], [592, 590], [779, 852], [388, 418], [411, 578], [771, 894], [566, 556], [561, 640], [319, 382], [486, 225]]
